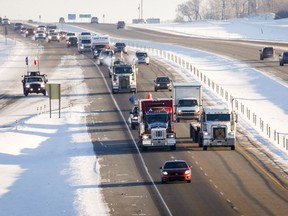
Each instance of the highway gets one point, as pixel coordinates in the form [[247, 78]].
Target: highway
[[224, 182]]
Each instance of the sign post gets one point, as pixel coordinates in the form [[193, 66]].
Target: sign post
[[54, 92]]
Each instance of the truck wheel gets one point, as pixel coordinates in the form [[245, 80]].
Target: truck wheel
[[144, 148], [232, 147], [205, 148], [177, 119], [200, 142], [133, 126], [44, 93], [188, 181], [173, 148], [26, 93]]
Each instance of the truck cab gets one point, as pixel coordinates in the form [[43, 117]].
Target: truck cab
[[84, 43], [124, 78]]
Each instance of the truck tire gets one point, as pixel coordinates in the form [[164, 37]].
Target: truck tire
[[200, 142], [26, 93], [177, 119], [133, 126], [173, 148], [232, 147], [205, 148]]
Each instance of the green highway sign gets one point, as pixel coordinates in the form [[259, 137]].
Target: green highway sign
[[84, 15]]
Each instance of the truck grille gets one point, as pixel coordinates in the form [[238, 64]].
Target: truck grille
[[158, 134], [124, 82], [187, 113], [219, 133]]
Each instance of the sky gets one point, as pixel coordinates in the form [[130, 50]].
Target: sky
[[30, 140], [113, 10]]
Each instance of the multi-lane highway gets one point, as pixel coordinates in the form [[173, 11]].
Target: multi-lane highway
[[224, 182]]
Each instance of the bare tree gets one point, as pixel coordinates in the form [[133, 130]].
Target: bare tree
[[189, 10]]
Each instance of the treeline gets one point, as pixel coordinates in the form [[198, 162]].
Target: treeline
[[227, 9]]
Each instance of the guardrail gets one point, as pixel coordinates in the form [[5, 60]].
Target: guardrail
[[260, 124]]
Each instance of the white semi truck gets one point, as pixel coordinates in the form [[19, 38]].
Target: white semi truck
[[217, 127], [124, 78], [84, 43], [187, 100]]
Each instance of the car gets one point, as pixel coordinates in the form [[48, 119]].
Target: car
[[162, 82], [18, 26], [61, 20], [120, 47], [70, 34], [142, 57], [133, 117], [5, 21], [120, 24], [23, 30], [62, 35], [72, 41], [54, 36], [105, 56], [283, 58], [41, 28], [267, 52], [30, 32], [175, 170], [40, 35], [94, 20], [85, 33]]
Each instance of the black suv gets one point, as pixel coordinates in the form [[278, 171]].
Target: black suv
[[72, 41], [162, 82], [120, 47], [283, 58], [267, 52], [120, 24]]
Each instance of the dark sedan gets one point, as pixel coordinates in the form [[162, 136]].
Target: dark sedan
[[283, 58], [176, 170], [162, 82]]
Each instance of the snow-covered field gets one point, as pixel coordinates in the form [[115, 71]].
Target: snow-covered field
[[36, 141]]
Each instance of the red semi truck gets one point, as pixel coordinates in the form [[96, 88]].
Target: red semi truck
[[156, 127]]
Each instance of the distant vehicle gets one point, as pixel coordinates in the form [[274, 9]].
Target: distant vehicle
[[120, 47], [85, 34], [40, 35], [23, 30], [72, 41], [18, 26], [94, 20], [51, 28], [70, 34], [283, 58], [133, 118], [41, 28], [34, 82], [5, 21], [120, 24], [61, 20], [105, 56], [176, 170], [267, 52], [62, 35], [30, 32], [54, 36], [84, 42], [162, 82], [142, 57]]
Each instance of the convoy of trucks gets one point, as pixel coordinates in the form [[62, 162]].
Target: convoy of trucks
[[188, 100], [156, 123]]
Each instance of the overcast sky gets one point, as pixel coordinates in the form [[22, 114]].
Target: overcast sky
[[113, 10]]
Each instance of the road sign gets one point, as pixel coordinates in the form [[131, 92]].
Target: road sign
[[71, 16], [84, 15]]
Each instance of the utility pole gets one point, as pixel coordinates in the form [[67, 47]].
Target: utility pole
[[141, 10]]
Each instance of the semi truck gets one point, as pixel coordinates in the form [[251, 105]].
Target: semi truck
[[124, 78], [217, 127], [187, 100], [99, 43], [156, 123]]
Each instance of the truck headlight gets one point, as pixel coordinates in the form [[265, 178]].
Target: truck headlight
[[165, 173], [42, 85], [171, 135], [179, 112], [231, 134], [145, 136], [27, 86]]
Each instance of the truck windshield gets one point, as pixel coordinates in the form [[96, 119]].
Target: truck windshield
[[85, 41], [218, 117], [187, 103], [123, 70], [159, 117], [35, 79]]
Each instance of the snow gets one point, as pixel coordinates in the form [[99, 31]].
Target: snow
[[63, 147]]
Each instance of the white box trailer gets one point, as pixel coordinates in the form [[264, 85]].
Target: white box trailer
[[187, 100]]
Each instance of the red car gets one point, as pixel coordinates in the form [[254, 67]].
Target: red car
[[176, 170]]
